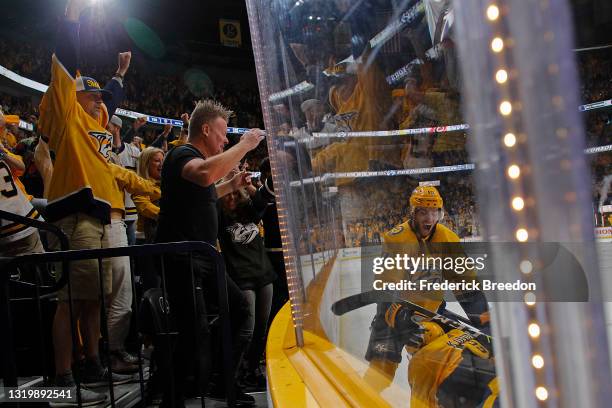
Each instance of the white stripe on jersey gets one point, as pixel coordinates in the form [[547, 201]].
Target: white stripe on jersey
[[13, 200]]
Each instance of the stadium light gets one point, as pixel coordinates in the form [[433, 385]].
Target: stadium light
[[522, 235], [497, 44], [526, 267], [505, 108], [518, 203], [514, 171], [492, 12], [534, 330], [541, 393], [537, 361], [509, 139], [501, 76]]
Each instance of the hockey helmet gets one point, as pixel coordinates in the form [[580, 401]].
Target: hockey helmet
[[426, 196]]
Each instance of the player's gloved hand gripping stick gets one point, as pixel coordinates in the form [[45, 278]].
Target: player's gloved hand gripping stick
[[448, 322]]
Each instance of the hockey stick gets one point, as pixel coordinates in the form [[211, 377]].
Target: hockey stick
[[359, 300]]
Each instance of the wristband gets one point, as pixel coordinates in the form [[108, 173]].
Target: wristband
[[119, 79]]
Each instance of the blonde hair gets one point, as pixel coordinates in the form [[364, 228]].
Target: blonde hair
[[206, 111], [145, 159]]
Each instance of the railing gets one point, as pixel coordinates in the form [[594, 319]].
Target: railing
[[65, 256]]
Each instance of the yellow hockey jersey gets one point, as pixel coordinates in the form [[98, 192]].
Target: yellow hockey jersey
[[132, 183], [177, 142], [14, 200], [81, 180], [402, 240]]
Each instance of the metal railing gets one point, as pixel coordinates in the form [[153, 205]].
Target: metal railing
[[64, 257]]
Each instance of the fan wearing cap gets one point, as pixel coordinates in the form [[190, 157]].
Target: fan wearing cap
[[73, 114], [393, 327]]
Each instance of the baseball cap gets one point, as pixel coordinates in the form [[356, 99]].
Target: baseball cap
[[116, 120], [88, 84]]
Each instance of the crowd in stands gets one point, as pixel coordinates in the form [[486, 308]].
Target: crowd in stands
[[388, 207], [146, 92], [169, 97]]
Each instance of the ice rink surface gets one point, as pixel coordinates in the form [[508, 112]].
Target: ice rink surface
[[351, 332]]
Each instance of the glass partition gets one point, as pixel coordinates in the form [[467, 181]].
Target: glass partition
[[394, 126]]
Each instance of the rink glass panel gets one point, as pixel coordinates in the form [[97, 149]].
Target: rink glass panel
[[363, 102]]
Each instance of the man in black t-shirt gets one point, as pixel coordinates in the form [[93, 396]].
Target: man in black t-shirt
[[188, 212]]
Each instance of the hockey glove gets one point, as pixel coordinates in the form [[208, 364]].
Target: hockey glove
[[407, 329]]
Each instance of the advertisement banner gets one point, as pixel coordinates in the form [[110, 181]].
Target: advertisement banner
[[229, 32]]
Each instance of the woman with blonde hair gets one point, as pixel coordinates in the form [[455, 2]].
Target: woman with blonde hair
[[149, 167]]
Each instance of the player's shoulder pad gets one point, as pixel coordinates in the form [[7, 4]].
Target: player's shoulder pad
[[445, 234]]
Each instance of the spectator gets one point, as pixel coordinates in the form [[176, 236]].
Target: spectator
[[81, 188], [149, 167], [16, 239], [248, 265], [182, 139], [190, 172]]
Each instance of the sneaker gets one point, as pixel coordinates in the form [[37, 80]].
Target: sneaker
[[125, 356], [253, 381], [99, 377], [244, 399], [217, 393], [88, 398], [119, 365]]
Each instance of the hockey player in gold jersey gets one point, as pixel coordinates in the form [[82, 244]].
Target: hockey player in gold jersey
[[438, 359]]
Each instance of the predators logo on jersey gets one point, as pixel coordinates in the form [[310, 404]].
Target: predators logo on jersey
[[105, 143], [243, 234]]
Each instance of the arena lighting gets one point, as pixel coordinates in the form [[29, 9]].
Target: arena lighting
[[492, 12], [537, 361], [534, 330], [530, 298], [514, 171], [501, 76], [541, 393], [505, 108], [526, 267], [518, 203], [522, 235], [497, 44], [509, 139]]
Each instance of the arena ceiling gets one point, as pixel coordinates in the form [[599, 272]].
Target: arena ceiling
[[188, 30]]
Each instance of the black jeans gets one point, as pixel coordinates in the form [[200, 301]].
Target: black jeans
[[193, 352], [260, 301], [280, 294]]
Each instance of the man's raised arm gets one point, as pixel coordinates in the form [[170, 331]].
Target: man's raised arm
[[213, 169]]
